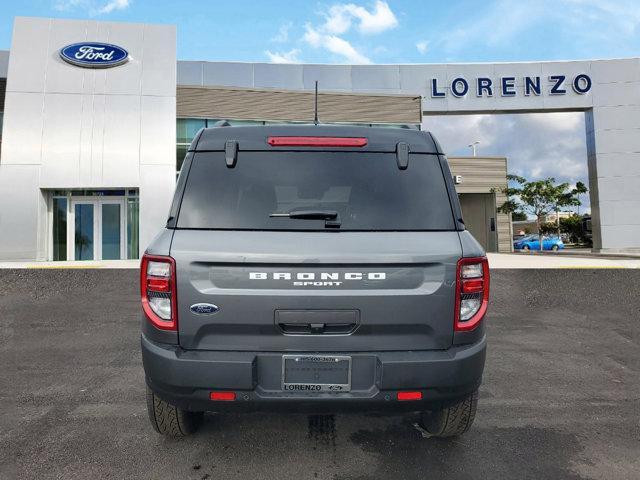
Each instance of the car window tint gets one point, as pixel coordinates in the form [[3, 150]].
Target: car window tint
[[367, 190]]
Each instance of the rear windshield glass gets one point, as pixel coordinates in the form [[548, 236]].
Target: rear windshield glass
[[367, 191]]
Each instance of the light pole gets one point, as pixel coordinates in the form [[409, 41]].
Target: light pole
[[473, 147]]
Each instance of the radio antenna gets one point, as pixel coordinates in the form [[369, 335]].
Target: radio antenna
[[315, 105]]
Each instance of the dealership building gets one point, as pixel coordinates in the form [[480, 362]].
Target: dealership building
[[97, 117]]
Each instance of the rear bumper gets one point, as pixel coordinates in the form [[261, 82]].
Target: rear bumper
[[186, 378]]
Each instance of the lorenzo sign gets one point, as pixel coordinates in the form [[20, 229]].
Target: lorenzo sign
[[94, 55], [506, 86]]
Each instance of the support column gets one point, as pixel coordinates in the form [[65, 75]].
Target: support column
[[613, 149]]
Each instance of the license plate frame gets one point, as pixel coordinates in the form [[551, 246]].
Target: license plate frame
[[320, 384]]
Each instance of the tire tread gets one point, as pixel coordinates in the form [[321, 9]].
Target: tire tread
[[169, 420], [453, 420]]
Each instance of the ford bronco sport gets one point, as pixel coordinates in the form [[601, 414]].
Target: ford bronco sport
[[314, 269]]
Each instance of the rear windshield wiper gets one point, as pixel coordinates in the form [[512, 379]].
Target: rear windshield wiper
[[309, 214], [329, 216]]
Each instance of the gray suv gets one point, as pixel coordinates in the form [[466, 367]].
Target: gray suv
[[314, 269]]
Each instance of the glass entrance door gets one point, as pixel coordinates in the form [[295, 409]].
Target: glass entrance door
[[98, 229], [112, 230], [84, 230]]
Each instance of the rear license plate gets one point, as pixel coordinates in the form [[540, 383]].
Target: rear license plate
[[316, 373]]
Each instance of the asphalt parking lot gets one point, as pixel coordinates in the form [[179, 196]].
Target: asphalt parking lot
[[560, 399]]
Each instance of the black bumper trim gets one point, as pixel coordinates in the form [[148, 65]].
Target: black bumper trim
[[185, 378]]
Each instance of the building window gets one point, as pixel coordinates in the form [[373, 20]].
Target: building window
[[133, 227], [181, 152], [59, 228], [187, 129]]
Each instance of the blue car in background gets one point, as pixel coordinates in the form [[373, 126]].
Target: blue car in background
[[532, 242]]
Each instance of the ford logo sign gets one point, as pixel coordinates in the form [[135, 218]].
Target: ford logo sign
[[204, 308], [94, 55]]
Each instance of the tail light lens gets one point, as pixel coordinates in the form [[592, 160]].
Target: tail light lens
[[158, 291], [472, 292]]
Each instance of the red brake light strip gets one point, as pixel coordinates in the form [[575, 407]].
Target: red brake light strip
[[317, 141]]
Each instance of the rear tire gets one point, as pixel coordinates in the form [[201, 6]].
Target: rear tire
[[525, 247], [453, 420], [169, 420]]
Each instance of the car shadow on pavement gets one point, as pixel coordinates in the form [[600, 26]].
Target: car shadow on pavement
[[339, 447], [520, 452]]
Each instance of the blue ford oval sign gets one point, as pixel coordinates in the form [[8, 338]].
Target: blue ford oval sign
[[204, 308], [94, 55]]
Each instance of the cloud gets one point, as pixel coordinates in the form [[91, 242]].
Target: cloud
[[283, 33], [499, 23], [114, 5], [558, 122], [63, 5], [334, 44], [284, 57], [339, 18], [622, 15], [92, 7], [580, 25], [328, 33], [537, 145], [422, 46]]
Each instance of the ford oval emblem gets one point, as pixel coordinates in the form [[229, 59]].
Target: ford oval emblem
[[204, 309], [94, 55]]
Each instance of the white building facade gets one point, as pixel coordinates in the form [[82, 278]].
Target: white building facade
[[105, 135], [88, 155]]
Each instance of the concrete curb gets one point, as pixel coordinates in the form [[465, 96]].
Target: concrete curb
[[496, 261], [124, 264]]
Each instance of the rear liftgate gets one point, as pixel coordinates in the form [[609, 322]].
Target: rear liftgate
[[271, 303]]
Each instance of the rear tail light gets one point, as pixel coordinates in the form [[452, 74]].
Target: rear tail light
[[472, 292], [317, 141], [158, 291]]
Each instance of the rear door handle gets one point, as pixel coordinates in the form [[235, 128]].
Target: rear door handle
[[317, 328], [317, 322]]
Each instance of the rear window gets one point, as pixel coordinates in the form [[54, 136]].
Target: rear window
[[366, 190]]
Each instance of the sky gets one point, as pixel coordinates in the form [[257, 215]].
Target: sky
[[399, 31]]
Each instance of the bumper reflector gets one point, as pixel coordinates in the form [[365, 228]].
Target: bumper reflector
[[223, 396], [405, 396]]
